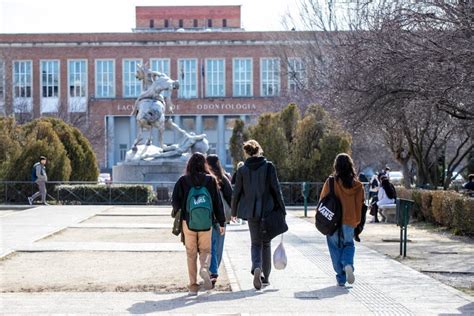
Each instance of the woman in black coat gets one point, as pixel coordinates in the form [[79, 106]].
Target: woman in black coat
[[256, 193]]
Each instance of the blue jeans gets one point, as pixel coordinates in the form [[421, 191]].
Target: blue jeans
[[342, 251], [261, 250], [217, 247]]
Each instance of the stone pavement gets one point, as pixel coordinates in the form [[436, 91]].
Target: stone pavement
[[307, 286]]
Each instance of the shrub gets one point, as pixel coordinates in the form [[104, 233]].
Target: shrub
[[105, 194]]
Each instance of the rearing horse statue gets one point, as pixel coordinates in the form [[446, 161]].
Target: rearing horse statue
[[150, 106]]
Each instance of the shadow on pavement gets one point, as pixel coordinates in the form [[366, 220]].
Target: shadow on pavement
[[467, 309], [186, 301], [328, 292]]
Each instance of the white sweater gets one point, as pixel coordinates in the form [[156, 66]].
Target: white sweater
[[383, 198]]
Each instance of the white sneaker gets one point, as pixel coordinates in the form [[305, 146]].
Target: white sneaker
[[30, 200], [204, 273], [349, 274], [192, 293]]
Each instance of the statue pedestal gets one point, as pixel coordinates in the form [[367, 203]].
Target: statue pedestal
[[139, 170], [167, 170]]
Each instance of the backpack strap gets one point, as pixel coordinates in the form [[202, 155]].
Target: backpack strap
[[331, 185]]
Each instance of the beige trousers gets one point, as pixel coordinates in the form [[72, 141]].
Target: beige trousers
[[196, 242]]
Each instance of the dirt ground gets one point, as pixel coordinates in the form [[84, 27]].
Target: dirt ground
[[431, 250], [132, 235], [97, 272]]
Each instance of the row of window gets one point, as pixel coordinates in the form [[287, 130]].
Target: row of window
[[166, 23], [212, 72]]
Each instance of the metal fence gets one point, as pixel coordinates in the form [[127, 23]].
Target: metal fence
[[128, 193]]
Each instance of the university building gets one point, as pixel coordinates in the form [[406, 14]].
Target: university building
[[224, 72]]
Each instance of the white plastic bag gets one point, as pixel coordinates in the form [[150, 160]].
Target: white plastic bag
[[279, 256]]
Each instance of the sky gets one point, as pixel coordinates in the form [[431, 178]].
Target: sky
[[68, 16]]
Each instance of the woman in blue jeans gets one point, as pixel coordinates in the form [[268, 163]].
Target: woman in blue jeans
[[350, 192], [226, 194]]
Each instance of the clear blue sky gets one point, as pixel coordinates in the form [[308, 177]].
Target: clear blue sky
[[51, 16]]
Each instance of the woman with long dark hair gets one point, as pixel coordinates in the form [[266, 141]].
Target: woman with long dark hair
[[350, 192], [225, 191], [256, 193], [197, 177], [387, 193]]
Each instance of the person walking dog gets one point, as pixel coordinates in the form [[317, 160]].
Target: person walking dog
[[350, 193], [257, 195], [196, 198], [38, 175]]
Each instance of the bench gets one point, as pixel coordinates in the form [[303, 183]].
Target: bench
[[389, 211]]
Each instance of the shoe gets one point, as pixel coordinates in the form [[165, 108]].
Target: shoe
[[214, 280], [192, 293], [257, 281], [46, 203], [30, 200], [265, 283], [341, 284], [349, 274], [204, 273]]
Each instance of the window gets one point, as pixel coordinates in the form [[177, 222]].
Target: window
[[123, 151], [189, 123], [132, 87], [209, 123], [195, 23], [105, 78], [181, 23], [77, 78], [296, 74], [152, 24], [187, 69], [224, 22], [77, 85], [49, 78], [270, 76], [22, 79], [242, 77], [215, 85], [160, 65], [2, 82], [209, 23], [167, 23]]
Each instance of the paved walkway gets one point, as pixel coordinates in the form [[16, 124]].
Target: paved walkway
[[307, 286]]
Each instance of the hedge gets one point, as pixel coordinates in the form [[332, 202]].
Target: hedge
[[446, 208], [105, 194]]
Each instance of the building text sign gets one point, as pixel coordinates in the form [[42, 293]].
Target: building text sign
[[215, 108]]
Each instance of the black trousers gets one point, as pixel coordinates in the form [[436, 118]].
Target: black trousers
[[261, 250]]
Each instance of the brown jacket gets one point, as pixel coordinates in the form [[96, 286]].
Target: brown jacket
[[351, 200]]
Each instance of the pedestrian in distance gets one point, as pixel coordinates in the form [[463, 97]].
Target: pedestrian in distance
[[38, 175], [225, 192], [386, 195], [256, 194], [350, 192], [196, 197], [239, 164]]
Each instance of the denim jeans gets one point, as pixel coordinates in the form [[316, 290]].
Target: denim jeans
[[342, 251], [217, 248], [261, 250]]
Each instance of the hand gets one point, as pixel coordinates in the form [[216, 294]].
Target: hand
[[233, 219], [222, 230]]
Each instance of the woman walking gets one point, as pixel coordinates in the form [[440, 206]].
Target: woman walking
[[350, 192], [195, 193], [225, 191], [256, 193]]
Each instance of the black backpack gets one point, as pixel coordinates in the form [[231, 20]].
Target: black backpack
[[329, 212]]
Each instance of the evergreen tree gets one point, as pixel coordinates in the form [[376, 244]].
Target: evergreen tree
[[239, 135]]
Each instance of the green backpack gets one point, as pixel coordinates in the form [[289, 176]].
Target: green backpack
[[199, 206]]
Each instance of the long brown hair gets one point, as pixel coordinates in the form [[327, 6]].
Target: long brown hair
[[216, 167], [344, 170], [197, 165]]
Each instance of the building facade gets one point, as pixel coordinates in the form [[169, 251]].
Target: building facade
[[224, 72]]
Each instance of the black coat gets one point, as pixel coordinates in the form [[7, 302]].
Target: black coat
[[250, 200], [180, 195]]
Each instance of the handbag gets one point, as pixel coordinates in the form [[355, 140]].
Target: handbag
[[178, 223], [273, 223], [279, 256]]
